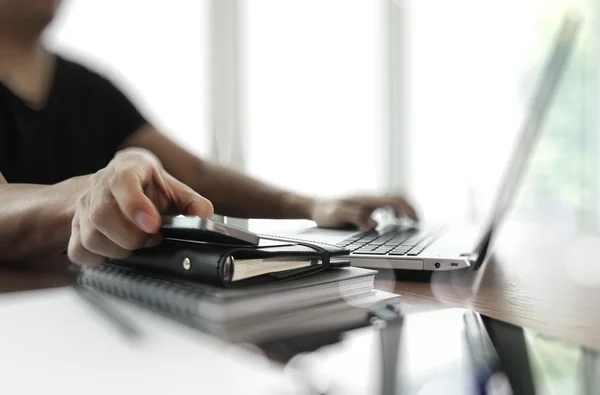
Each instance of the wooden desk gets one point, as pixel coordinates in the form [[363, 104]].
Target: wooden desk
[[25, 277], [538, 278], [542, 277]]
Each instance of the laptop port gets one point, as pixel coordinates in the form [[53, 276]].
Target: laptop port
[[437, 265], [453, 264]]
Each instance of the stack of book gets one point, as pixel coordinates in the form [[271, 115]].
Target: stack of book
[[243, 294]]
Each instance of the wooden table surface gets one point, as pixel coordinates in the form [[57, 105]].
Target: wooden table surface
[[543, 277]]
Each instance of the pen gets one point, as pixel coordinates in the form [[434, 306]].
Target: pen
[[119, 321]]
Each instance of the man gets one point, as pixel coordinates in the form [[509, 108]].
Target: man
[[82, 171]]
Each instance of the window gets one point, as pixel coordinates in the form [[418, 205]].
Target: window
[[314, 79], [473, 66], [313, 94], [564, 175], [155, 51]]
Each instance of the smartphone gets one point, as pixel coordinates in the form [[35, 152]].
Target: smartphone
[[205, 230]]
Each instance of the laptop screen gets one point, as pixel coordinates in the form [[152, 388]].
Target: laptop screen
[[531, 127]]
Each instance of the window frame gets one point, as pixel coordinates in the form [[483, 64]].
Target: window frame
[[594, 131], [226, 96], [398, 158]]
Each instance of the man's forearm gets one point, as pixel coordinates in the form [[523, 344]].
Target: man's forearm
[[35, 220], [231, 193], [237, 195]]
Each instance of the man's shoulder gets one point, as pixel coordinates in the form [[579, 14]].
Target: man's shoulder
[[80, 74]]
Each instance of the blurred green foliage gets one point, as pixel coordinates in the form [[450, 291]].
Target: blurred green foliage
[[563, 167]]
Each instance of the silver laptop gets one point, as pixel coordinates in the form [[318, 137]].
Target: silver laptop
[[445, 247]]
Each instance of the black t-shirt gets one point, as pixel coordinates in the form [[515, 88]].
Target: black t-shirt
[[78, 132]]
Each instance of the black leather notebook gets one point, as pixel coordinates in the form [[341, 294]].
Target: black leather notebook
[[274, 259]]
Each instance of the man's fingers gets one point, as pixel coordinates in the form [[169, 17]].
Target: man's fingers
[[77, 252], [128, 192], [105, 215], [186, 200], [399, 204], [98, 244], [93, 240], [154, 240], [356, 216], [367, 222]]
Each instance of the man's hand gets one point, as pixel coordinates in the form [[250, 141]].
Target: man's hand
[[337, 213], [121, 210]]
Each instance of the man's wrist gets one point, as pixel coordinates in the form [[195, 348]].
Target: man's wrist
[[64, 197], [297, 206]]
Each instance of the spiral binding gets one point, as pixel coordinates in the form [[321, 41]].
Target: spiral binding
[[158, 294]]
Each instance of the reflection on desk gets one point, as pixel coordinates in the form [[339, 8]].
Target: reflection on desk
[[541, 277], [53, 332], [436, 356], [53, 341]]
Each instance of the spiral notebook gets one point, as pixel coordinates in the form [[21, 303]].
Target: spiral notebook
[[215, 304], [200, 283]]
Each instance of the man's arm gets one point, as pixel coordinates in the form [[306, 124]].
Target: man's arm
[[36, 219], [231, 193]]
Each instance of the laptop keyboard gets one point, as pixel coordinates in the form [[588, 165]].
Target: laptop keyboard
[[408, 242]]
